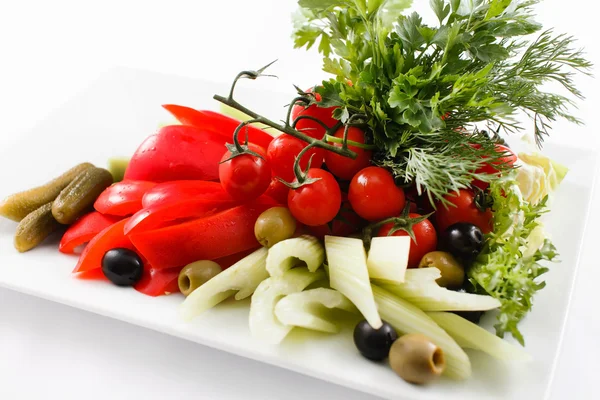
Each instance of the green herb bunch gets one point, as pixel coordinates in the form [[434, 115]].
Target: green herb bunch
[[508, 267], [420, 87]]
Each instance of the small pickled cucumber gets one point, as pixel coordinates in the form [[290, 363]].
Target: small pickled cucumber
[[19, 205], [35, 227], [117, 167], [79, 196]]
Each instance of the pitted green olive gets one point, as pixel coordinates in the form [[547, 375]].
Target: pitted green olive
[[274, 225], [416, 359], [453, 274], [196, 274]]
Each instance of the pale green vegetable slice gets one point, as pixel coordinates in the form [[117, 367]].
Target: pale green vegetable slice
[[348, 274], [408, 318], [472, 336], [240, 279], [308, 309], [420, 289], [287, 254], [388, 257], [263, 323], [117, 167]]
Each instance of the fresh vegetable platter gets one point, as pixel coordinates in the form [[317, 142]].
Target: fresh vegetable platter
[[322, 355]]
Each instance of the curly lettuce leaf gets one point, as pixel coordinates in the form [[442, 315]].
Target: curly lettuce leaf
[[509, 266]]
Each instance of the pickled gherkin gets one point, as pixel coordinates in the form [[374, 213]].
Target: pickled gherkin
[[19, 205], [34, 228], [79, 196]]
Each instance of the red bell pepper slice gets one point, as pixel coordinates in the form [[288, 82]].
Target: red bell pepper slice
[[110, 238], [177, 152], [219, 123], [123, 198], [228, 261], [84, 230], [160, 215], [178, 191], [216, 236], [156, 282]]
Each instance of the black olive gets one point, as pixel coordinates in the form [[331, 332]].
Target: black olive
[[374, 344], [122, 267], [463, 240]]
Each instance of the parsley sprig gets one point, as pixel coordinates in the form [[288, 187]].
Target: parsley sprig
[[418, 83]]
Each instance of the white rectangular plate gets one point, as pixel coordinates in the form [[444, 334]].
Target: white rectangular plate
[[118, 111]]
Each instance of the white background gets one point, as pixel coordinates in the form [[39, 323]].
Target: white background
[[49, 50]]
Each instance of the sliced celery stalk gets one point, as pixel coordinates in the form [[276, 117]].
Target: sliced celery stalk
[[472, 336], [388, 257], [308, 309], [286, 254], [348, 274], [263, 323], [408, 318], [242, 277], [420, 289]]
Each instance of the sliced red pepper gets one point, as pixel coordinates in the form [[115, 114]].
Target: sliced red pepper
[[123, 198], [209, 238], [177, 152], [156, 282], [92, 275], [84, 230], [178, 191], [228, 261], [219, 123], [110, 238], [160, 215]]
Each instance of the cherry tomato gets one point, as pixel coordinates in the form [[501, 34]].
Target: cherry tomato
[[318, 202], [509, 159], [282, 153], [278, 191], [323, 114], [245, 177], [344, 167], [374, 195], [345, 223], [424, 234], [462, 209]]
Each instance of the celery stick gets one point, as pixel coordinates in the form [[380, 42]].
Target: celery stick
[[388, 257], [243, 277], [348, 274], [287, 254], [263, 323], [308, 309], [117, 167], [472, 336], [420, 289], [408, 318]]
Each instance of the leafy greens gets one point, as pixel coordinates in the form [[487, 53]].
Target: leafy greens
[[417, 85], [509, 266]]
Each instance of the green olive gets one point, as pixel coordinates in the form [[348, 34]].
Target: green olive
[[196, 274], [416, 359], [453, 274], [274, 225]]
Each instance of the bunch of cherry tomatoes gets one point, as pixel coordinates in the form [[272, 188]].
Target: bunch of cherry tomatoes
[[369, 193]]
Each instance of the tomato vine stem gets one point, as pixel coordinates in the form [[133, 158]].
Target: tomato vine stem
[[286, 127]]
